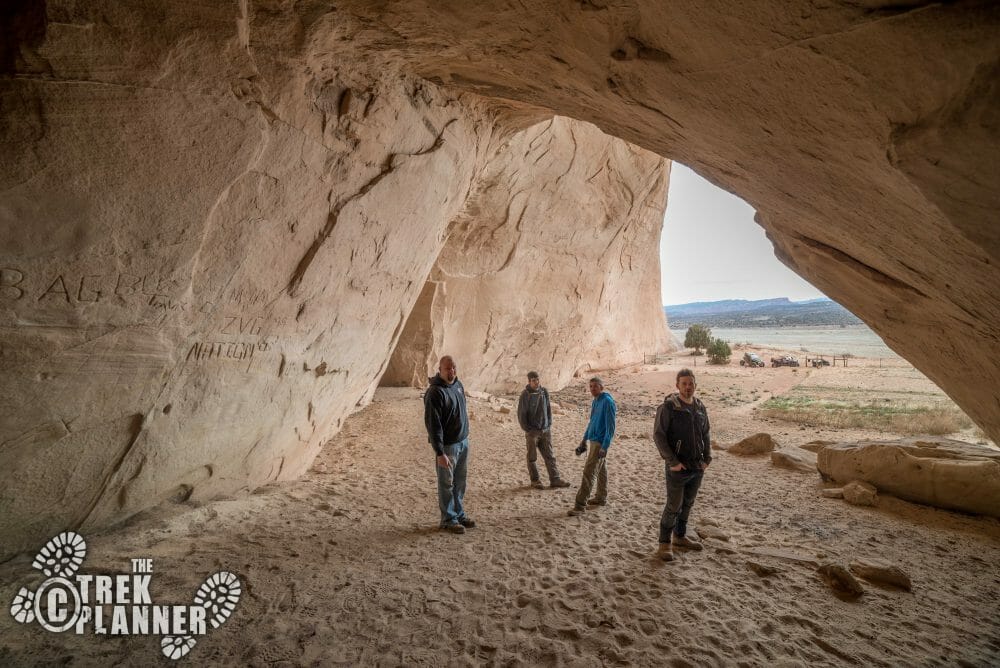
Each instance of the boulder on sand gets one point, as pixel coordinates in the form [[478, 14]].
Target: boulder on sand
[[881, 572], [858, 493], [840, 580], [757, 444], [937, 472], [795, 459], [816, 446]]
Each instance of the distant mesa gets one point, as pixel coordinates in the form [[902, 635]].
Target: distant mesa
[[779, 312]]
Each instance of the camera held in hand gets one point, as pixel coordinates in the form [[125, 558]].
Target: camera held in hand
[[582, 448]]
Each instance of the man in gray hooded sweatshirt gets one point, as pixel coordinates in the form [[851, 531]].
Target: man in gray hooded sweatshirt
[[447, 420], [534, 412]]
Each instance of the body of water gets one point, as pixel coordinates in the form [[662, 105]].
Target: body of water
[[857, 340]]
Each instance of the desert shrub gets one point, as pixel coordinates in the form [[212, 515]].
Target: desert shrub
[[697, 337], [718, 352]]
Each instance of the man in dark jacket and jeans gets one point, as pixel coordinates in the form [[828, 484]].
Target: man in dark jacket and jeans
[[447, 422], [681, 433], [534, 412]]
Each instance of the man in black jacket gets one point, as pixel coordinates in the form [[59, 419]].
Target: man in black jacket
[[447, 422], [681, 434], [534, 412]]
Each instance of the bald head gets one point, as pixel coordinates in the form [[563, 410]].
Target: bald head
[[448, 369]]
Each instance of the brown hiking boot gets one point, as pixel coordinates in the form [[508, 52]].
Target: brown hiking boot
[[537, 484], [687, 543], [558, 483], [597, 502], [665, 552], [577, 510]]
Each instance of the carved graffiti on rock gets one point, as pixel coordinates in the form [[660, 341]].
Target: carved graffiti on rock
[[76, 288], [202, 352]]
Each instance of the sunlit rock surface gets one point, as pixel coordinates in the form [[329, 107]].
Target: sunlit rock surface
[[552, 266]]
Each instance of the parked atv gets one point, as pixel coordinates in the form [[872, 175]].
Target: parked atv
[[751, 360], [784, 360]]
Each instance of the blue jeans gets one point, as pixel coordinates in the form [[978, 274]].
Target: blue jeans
[[451, 482], [682, 488]]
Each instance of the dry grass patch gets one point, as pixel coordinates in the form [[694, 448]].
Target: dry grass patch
[[876, 414]]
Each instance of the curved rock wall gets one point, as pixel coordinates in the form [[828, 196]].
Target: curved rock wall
[[206, 258], [552, 266]]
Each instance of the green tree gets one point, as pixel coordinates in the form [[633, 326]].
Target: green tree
[[718, 351], [697, 337]]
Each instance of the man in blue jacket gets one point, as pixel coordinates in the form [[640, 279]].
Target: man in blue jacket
[[600, 431], [447, 422]]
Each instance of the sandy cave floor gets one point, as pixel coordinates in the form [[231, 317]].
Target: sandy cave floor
[[345, 566]]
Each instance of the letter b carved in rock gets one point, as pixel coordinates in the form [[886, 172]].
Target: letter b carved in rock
[[9, 280]]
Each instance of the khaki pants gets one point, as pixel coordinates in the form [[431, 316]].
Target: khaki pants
[[541, 441], [595, 468]]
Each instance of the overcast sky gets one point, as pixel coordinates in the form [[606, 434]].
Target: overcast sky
[[711, 249]]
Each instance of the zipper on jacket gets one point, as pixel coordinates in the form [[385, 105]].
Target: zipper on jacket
[[694, 438]]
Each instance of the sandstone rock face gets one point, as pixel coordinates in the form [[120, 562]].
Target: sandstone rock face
[[201, 278], [553, 265], [217, 219], [942, 473]]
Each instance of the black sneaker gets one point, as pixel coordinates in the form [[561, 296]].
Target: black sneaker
[[467, 523], [453, 528]]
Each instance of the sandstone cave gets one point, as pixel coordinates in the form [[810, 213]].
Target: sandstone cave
[[237, 236]]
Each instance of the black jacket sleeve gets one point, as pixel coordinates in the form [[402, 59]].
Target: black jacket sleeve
[[661, 429], [548, 406], [522, 410], [432, 419], [706, 440]]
